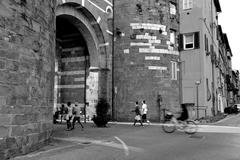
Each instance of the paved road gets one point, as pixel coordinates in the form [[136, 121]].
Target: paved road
[[126, 142]]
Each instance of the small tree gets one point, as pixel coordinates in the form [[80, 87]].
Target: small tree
[[102, 117]]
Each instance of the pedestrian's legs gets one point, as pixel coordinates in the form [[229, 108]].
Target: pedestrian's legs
[[68, 124], [61, 116], [78, 119], [134, 122], [73, 123], [144, 116], [140, 121]]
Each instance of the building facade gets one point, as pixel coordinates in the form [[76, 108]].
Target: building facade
[[235, 87], [199, 53], [223, 66]]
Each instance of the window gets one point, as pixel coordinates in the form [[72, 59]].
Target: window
[[187, 4], [188, 41], [172, 36], [206, 44], [173, 9], [174, 70]]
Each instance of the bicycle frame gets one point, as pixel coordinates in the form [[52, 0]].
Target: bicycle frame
[[171, 124]]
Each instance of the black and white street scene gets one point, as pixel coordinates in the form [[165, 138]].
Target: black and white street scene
[[119, 80]]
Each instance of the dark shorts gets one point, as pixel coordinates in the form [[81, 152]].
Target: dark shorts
[[144, 117]]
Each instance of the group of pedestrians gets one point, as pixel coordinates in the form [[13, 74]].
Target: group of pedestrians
[[71, 114], [141, 113]]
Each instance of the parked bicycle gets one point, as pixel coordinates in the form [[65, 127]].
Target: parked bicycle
[[171, 124]]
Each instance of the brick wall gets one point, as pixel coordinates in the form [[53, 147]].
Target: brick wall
[[144, 58], [27, 48]]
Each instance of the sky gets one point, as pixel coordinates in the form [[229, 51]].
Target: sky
[[230, 21]]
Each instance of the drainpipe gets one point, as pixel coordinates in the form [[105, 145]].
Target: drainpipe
[[113, 90]]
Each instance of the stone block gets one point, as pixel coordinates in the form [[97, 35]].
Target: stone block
[[31, 128], [25, 119], [2, 64], [17, 131], [3, 144], [17, 109], [4, 131], [4, 90], [9, 54], [13, 152], [11, 143], [12, 66], [33, 139], [2, 154], [2, 101], [46, 126], [24, 130], [5, 119], [42, 136]]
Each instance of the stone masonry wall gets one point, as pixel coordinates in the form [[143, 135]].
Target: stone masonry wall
[[27, 46], [146, 56]]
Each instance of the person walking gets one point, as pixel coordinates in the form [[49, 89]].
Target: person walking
[[144, 112], [69, 115], [138, 117], [76, 116], [62, 108]]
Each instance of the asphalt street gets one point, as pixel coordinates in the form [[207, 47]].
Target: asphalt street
[[220, 141]]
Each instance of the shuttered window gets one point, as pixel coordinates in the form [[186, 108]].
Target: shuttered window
[[206, 44], [189, 41]]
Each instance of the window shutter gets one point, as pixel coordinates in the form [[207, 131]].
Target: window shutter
[[180, 39], [205, 40], [211, 49], [207, 46], [196, 40]]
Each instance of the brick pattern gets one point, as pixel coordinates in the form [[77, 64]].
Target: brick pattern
[[143, 56], [27, 48]]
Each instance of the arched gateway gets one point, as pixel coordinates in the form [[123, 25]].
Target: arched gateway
[[81, 57], [28, 46]]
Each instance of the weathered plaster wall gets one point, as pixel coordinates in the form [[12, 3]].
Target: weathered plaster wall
[[27, 47]]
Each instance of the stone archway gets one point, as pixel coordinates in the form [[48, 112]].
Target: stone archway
[[80, 62]]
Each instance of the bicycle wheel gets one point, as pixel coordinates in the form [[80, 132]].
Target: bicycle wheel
[[169, 126], [191, 127]]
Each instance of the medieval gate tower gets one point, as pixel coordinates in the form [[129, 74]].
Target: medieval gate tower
[[54, 51]]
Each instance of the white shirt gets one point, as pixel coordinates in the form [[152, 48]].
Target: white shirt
[[70, 108], [144, 109]]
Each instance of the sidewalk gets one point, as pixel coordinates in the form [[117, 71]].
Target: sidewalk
[[230, 120]]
